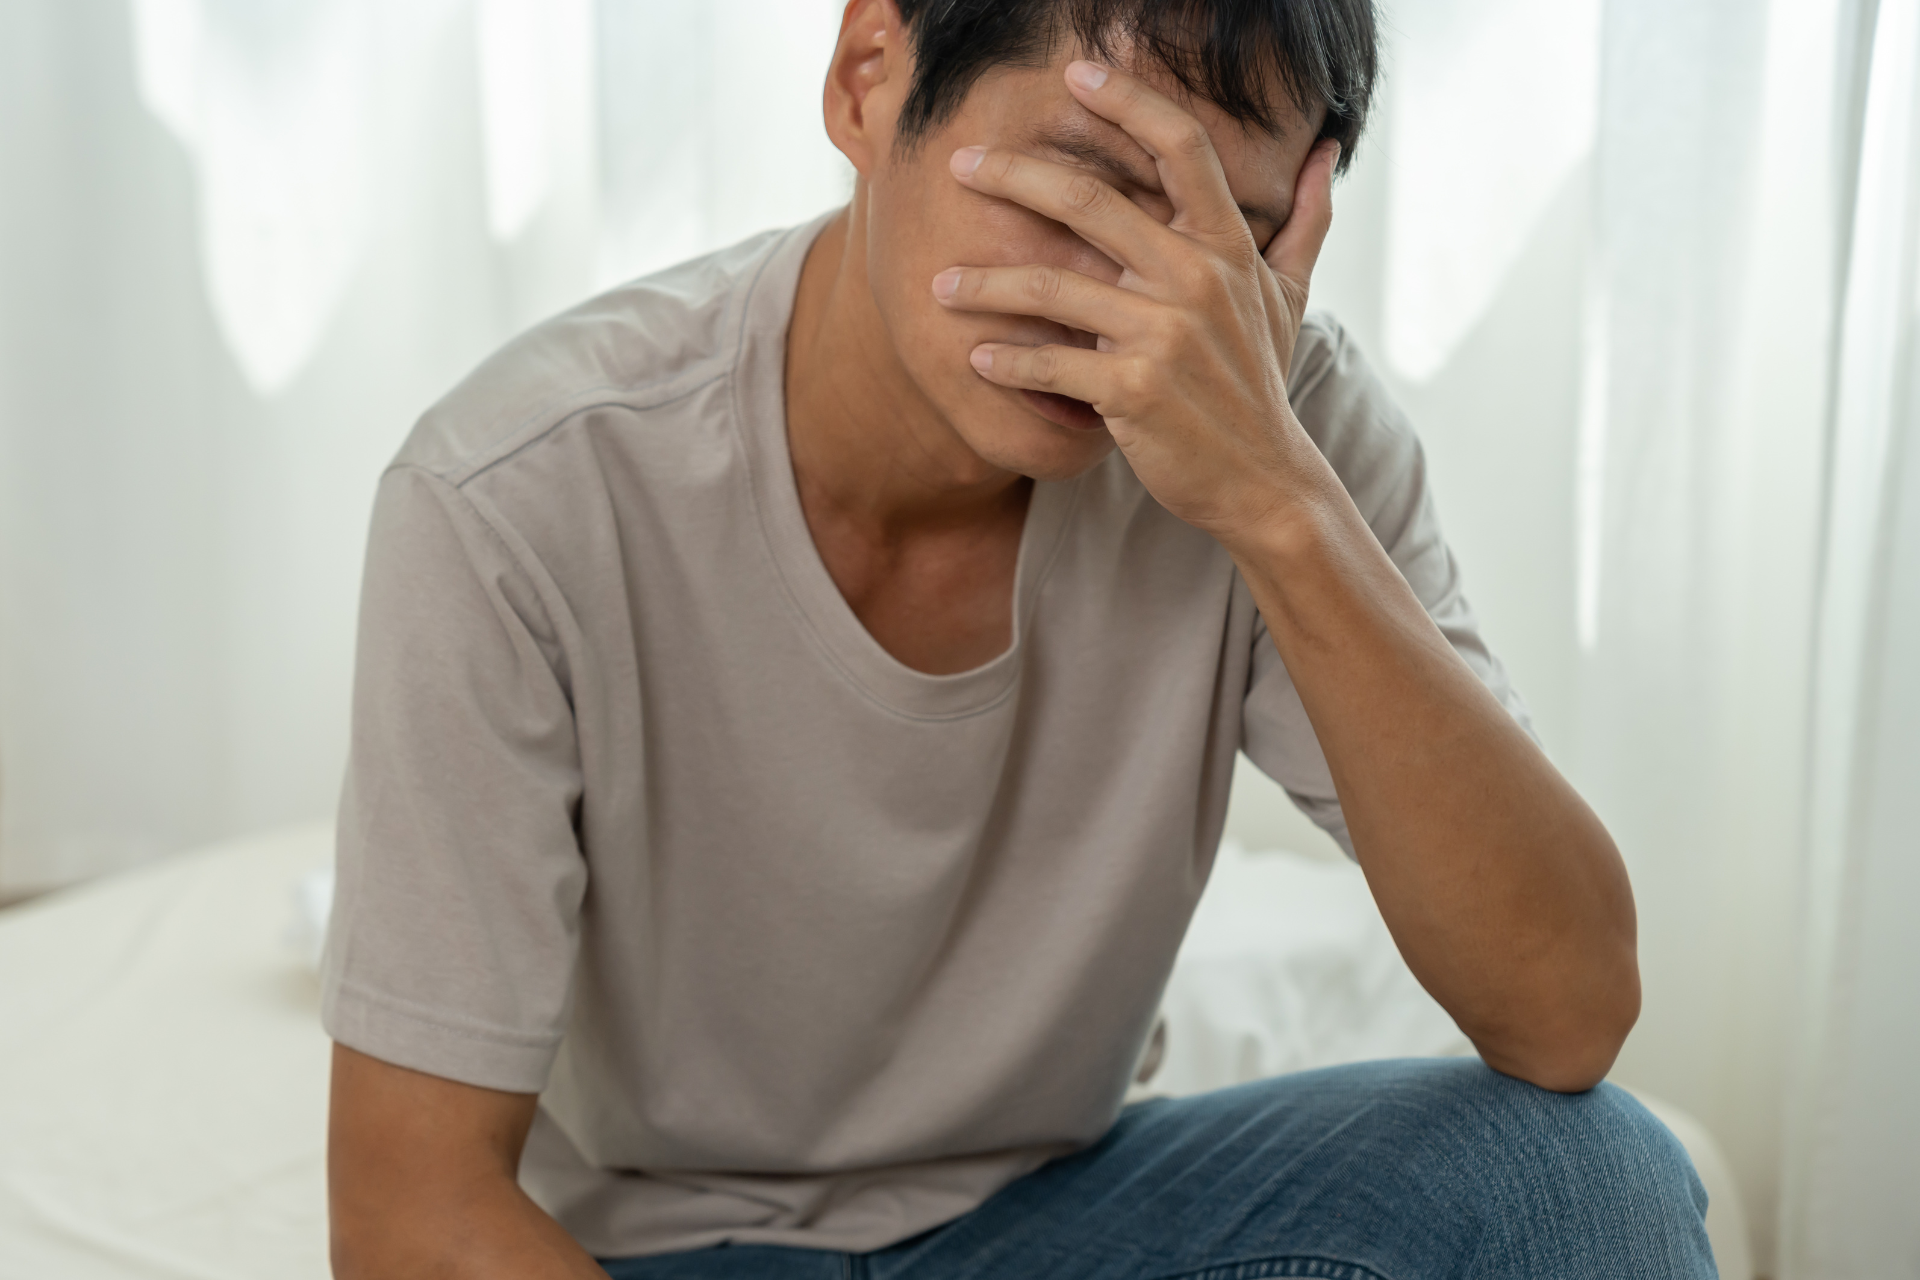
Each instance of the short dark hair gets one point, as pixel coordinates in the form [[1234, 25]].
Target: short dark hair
[[1226, 51]]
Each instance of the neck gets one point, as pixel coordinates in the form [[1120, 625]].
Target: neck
[[869, 449]]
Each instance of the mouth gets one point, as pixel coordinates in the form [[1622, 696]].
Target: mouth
[[1064, 410]]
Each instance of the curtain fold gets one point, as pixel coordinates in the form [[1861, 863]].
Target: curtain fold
[[1853, 1149], [1699, 507]]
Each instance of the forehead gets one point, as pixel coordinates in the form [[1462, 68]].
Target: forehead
[[1033, 104]]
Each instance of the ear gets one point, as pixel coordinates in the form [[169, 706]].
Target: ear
[[867, 81]]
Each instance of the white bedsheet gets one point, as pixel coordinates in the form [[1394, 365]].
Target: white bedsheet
[[1288, 966], [163, 1071], [163, 1075]]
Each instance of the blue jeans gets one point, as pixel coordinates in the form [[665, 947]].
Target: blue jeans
[[1411, 1170]]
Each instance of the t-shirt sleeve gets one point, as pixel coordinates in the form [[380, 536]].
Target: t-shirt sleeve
[[454, 933], [1374, 451]]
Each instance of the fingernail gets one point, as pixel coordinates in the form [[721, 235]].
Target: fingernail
[[1086, 75], [966, 160], [982, 359], [947, 283]]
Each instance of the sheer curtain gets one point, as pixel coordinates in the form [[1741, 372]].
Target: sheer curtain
[[1643, 271], [1748, 653], [242, 245], [1853, 1138]]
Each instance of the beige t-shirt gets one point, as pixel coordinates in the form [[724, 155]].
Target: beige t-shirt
[[799, 945]]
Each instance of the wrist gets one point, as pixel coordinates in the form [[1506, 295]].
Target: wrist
[[1289, 519]]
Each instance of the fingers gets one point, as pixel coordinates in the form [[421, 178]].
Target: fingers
[[1104, 218], [1053, 293], [1190, 171], [1093, 376], [1296, 247]]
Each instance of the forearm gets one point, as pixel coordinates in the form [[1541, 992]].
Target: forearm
[[1502, 889]]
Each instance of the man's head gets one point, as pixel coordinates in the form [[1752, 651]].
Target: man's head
[[914, 80]]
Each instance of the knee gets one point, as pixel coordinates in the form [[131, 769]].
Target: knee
[[1594, 1169], [1492, 1176], [1602, 1139]]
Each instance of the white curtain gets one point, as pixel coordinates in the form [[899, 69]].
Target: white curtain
[[242, 245], [1852, 1174], [1643, 271]]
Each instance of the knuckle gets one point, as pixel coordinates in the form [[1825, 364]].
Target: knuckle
[[1086, 194], [1190, 139], [1043, 366], [1043, 283]]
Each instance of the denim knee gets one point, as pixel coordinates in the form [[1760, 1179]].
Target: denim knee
[[1551, 1175]]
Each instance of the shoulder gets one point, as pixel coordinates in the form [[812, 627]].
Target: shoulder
[[1333, 387], [644, 345]]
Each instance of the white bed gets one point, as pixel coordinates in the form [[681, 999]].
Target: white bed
[[163, 1071]]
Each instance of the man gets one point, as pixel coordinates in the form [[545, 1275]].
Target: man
[[796, 705]]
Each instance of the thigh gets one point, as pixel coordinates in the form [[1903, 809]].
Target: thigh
[[1376, 1171]]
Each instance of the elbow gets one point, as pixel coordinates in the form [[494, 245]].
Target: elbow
[[1572, 1049], [1569, 1071]]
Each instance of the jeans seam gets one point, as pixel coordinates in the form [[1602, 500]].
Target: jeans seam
[[1287, 1265]]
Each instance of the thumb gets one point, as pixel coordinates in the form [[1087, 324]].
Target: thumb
[[1296, 247]]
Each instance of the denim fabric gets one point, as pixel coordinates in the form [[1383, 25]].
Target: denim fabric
[[1410, 1170]]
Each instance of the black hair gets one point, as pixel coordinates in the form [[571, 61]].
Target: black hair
[[1226, 51]]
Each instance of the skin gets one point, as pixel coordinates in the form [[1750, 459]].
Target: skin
[[1090, 234]]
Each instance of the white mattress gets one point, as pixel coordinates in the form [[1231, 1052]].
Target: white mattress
[[163, 1072]]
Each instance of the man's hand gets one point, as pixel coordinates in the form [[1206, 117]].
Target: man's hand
[[421, 1181], [1502, 889], [1196, 337]]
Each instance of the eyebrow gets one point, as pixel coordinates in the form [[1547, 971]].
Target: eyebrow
[[1076, 144]]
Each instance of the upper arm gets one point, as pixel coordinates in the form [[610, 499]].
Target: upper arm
[[456, 920], [410, 1156]]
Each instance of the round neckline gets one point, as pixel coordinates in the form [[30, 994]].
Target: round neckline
[[760, 419]]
